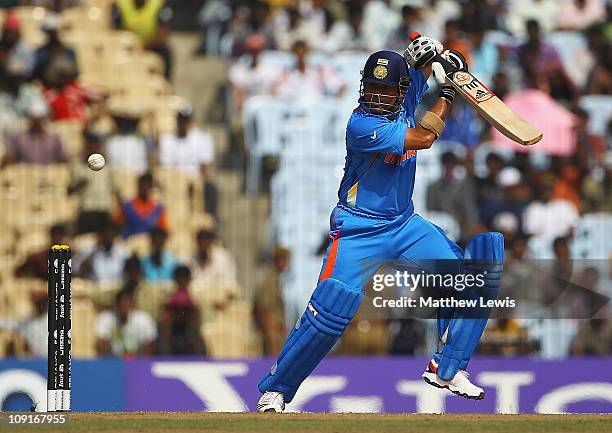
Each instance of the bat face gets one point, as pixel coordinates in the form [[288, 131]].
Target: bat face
[[473, 88], [493, 110]]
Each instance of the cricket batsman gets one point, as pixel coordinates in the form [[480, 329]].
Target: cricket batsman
[[375, 221]]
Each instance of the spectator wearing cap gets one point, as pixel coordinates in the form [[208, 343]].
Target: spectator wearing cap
[[150, 21], [454, 193], [125, 331], [95, 194], [53, 50], [160, 264], [191, 150], [505, 212], [179, 327], [212, 264], [35, 145], [142, 213], [11, 45], [304, 82], [126, 147], [269, 307]]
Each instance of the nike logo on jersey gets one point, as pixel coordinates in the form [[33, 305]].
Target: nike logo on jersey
[[373, 136]]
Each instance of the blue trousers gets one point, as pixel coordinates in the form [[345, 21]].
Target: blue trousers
[[361, 243]]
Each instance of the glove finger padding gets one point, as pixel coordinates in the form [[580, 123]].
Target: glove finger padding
[[421, 51], [456, 58], [439, 73]]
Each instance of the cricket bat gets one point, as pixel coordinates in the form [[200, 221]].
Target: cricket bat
[[493, 110]]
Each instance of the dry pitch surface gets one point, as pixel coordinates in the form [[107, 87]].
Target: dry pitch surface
[[323, 423]]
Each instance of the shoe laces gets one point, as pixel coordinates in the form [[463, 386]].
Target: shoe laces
[[465, 373], [269, 397]]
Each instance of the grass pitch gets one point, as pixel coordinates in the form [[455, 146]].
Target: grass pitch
[[173, 422]]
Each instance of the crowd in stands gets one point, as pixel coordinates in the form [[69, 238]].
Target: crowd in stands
[[154, 191], [159, 281], [547, 59]]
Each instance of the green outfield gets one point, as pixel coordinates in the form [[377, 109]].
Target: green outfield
[[325, 423]]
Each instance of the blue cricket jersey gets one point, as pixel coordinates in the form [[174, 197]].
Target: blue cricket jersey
[[378, 174]]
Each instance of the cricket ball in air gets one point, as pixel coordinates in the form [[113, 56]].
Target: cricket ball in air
[[96, 162]]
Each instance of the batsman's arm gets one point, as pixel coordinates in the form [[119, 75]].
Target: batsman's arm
[[419, 138], [432, 124]]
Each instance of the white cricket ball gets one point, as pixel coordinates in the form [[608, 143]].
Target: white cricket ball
[[96, 162]]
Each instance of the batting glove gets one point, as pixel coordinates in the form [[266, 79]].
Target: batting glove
[[421, 50], [450, 61]]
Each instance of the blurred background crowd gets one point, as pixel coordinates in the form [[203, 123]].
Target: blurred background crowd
[[222, 123]]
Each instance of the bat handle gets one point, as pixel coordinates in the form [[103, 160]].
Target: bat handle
[[414, 35]]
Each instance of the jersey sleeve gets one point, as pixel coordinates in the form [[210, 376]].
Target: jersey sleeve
[[416, 90], [376, 134]]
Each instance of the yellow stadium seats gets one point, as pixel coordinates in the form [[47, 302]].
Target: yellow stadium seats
[[151, 297], [83, 329], [71, 134], [225, 340], [138, 244]]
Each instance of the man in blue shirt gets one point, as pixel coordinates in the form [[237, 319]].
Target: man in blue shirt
[[375, 222]]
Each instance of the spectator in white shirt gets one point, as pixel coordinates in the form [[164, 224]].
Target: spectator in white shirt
[[125, 331], [249, 76], [103, 261], [580, 14], [379, 20], [212, 264], [549, 218], [348, 35], [33, 329], [127, 148], [316, 21], [521, 11], [191, 150], [305, 82], [436, 14]]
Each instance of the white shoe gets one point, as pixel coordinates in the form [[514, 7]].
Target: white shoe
[[459, 385], [271, 401]]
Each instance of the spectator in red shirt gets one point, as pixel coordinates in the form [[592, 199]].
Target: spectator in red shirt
[[67, 99], [143, 213]]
